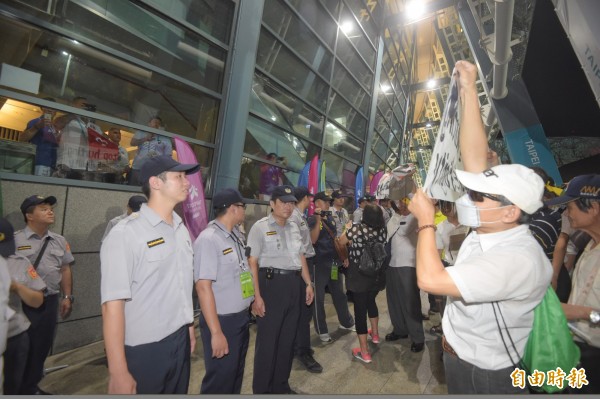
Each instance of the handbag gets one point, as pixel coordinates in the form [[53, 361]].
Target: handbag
[[341, 249], [550, 344]]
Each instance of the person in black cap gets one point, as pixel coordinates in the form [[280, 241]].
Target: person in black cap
[[225, 290], [26, 287], [326, 269], [358, 212], [339, 213], [582, 199], [146, 288], [133, 205], [302, 349], [281, 285], [51, 257]]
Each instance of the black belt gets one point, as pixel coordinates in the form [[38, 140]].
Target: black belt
[[280, 271]]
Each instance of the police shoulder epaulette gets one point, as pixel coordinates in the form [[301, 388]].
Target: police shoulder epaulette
[[155, 242]]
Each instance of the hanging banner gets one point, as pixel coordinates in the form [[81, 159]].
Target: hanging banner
[[358, 186], [375, 182], [383, 187], [194, 206], [313, 181], [303, 178], [322, 170], [441, 181]]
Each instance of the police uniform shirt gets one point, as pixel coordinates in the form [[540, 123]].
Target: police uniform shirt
[[22, 272], [4, 309], [298, 218], [56, 255], [219, 257], [276, 246], [357, 215], [341, 218], [112, 223], [149, 264]]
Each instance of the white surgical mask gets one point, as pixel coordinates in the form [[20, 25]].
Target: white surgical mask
[[468, 212]]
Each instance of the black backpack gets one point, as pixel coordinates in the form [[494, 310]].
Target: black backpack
[[373, 258]]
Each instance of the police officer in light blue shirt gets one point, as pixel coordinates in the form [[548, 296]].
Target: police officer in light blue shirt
[[282, 285], [225, 290]]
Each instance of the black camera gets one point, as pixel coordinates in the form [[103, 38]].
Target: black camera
[[90, 107], [325, 213]]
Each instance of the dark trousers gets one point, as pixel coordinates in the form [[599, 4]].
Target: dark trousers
[[404, 302], [364, 305], [15, 360], [590, 361], [302, 341], [161, 367], [465, 378], [275, 332], [41, 335], [225, 375], [321, 275]]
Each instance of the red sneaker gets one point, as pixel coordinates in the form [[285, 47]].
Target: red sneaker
[[365, 358]]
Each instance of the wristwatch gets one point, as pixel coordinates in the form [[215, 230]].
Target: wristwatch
[[594, 317], [69, 297]]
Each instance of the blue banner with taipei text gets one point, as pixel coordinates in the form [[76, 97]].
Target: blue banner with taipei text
[[529, 146]]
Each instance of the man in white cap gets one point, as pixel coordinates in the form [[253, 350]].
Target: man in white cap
[[501, 273]]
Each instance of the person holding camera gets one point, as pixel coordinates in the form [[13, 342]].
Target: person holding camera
[[41, 132], [325, 269]]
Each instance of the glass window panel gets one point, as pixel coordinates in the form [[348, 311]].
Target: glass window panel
[[257, 179], [349, 57], [113, 86], [380, 122], [375, 163], [397, 127], [339, 172], [274, 58], [333, 6], [385, 108], [276, 104], [357, 37], [263, 138], [135, 31], [285, 23], [347, 116], [379, 146], [214, 17], [346, 85], [338, 140], [316, 16], [359, 10]]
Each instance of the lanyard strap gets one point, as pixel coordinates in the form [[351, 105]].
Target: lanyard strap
[[41, 253]]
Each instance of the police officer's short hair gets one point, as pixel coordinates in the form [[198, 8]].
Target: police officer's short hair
[[28, 210], [146, 185], [221, 211]]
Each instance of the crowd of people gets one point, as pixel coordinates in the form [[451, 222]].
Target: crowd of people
[[502, 244], [73, 146]]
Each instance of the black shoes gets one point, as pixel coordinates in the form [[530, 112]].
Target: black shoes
[[310, 363], [394, 337], [417, 347]]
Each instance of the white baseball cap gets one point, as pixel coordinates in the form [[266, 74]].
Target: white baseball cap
[[517, 183]]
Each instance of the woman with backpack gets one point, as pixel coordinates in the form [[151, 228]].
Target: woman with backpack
[[365, 287]]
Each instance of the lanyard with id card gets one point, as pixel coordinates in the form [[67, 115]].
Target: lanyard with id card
[[246, 284], [334, 272]]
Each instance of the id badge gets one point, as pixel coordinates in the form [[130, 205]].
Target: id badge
[[334, 272], [247, 285]]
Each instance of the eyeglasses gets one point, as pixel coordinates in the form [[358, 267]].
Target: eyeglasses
[[240, 205], [476, 196]]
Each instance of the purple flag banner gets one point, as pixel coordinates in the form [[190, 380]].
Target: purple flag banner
[[194, 206]]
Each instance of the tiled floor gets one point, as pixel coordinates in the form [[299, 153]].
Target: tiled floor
[[395, 369]]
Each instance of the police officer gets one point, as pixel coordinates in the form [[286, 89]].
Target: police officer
[[7, 248], [339, 213], [25, 287], [51, 257], [302, 348], [325, 270], [133, 205], [358, 212], [146, 288], [225, 290], [281, 285]]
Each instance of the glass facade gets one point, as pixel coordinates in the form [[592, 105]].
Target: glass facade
[[319, 87]]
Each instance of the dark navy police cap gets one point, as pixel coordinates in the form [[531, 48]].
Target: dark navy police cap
[[164, 163], [227, 197], [284, 194], [36, 200]]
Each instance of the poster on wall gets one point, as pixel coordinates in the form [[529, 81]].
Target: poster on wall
[[441, 181]]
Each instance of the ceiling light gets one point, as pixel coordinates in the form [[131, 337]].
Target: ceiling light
[[347, 27], [428, 124], [415, 9], [385, 88], [273, 118], [431, 84], [65, 53]]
